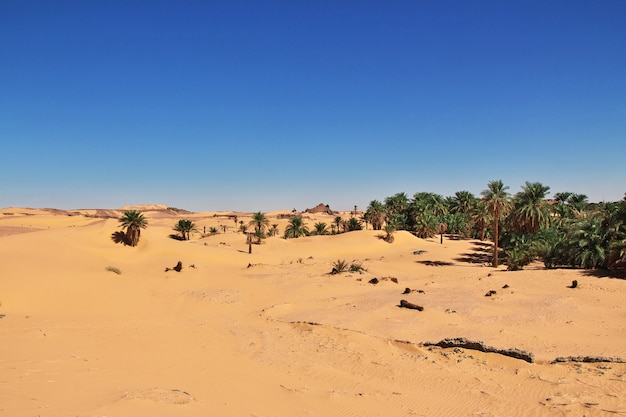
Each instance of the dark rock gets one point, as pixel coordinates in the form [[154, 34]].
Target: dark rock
[[407, 291], [461, 342], [373, 281], [178, 267], [574, 284], [589, 359], [406, 304]]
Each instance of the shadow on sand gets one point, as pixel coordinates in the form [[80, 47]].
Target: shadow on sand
[[435, 263], [603, 273], [119, 237], [481, 254]]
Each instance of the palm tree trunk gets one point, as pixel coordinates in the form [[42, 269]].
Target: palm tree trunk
[[495, 241]]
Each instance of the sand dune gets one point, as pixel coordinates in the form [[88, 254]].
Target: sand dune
[[273, 333]]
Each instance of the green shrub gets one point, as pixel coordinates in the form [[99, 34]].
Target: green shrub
[[340, 265]]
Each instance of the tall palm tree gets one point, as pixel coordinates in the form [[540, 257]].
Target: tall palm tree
[[185, 227], [133, 221], [498, 203], [296, 228], [531, 211], [338, 220]]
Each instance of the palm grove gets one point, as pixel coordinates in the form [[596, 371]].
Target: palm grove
[[566, 231]]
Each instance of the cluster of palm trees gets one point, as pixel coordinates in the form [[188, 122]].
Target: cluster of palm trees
[[564, 231]]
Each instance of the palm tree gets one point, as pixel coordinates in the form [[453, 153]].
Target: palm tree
[[260, 222], [396, 205], [481, 218], [338, 220], [426, 225], [428, 202], [462, 202], [184, 227], [274, 229], [531, 211], [376, 214], [320, 228], [588, 239], [133, 221], [578, 201], [389, 231], [497, 200], [353, 224], [296, 228]]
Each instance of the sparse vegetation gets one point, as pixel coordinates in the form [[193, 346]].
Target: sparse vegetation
[[339, 266], [357, 267]]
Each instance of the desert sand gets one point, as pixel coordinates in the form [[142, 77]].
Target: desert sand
[[92, 328]]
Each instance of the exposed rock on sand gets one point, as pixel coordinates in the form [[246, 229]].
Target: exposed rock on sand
[[461, 342]]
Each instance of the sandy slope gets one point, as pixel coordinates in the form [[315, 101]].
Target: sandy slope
[[274, 334]]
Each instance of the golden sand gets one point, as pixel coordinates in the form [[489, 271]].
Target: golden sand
[[273, 333]]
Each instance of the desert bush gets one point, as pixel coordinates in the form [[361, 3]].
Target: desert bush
[[356, 267]]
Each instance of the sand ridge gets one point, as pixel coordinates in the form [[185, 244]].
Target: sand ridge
[[273, 333]]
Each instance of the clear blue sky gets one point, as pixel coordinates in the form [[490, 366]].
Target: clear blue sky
[[264, 105]]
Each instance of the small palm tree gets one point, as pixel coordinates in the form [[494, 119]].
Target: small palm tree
[[296, 228], [274, 230], [353, 224], [185, 227], [426, 225], [389, 231], [133, 221], [320, 229]]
